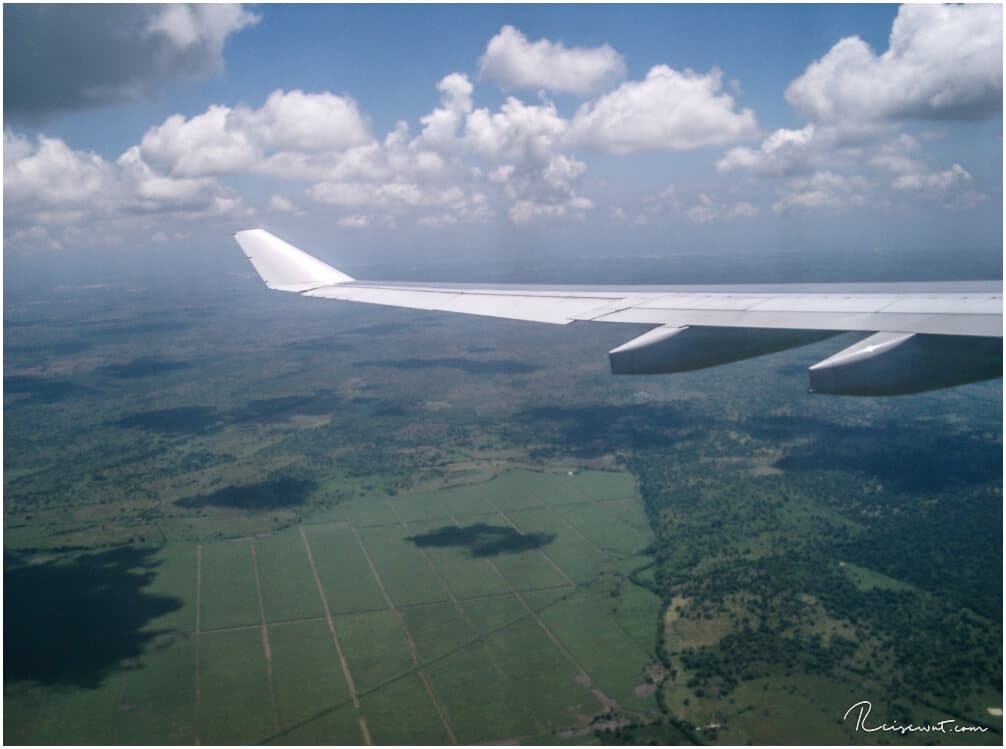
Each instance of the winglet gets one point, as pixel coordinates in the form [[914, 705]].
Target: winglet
[[284, 267]]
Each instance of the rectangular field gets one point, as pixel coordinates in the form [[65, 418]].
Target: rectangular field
[[571, 551], [483, 702], [307, 674], [228, 595], [605, 524], [402, 713], [288, 587], [401, 568], [419, 505], [375, 648], [460, 565], [345, 575], [158, 699], [490, 626], [234, 705], [580, 623]]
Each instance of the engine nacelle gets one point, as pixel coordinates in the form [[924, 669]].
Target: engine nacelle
[[670, 349], [902, 363]]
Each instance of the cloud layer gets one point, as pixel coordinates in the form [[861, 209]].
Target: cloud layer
[[944, 63], [523, 160], [61, 58]]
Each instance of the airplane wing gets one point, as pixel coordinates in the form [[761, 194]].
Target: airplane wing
[[920, 336]]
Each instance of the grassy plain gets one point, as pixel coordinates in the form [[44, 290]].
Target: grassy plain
[[500, 531]]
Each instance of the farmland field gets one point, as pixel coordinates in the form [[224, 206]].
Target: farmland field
[[449, 629]]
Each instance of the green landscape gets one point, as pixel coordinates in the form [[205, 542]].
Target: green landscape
[[233, 516]]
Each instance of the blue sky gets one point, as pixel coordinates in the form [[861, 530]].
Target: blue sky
[[560, 129], [390, 57]]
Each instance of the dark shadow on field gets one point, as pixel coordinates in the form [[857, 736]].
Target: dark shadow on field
[[270, 494], [144, 366], [41, 388], [593, 429], [200, 419], [911, 457], [382, 406], [59, 348], [380, 329], [73, 620], [182, 420], [319, 403], [24, 323], [483, 540], [131, 329], [469, 366], [388, 408], [331, 344]]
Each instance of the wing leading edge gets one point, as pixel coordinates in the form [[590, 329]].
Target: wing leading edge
[[922, 336]]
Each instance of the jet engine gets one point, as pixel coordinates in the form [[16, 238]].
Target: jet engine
[[670, 349], [902, 363]]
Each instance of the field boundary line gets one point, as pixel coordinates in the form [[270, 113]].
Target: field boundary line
[[402, 607], [195, 637], [266, 650], [483, 597], [299, 620], [577, 531], [610, 556], [365, 730], [335, 637], [544, 553], [544, 627], [413, 653], [272, 624], [612, 553], [450, 594], [480, 638], [484, 643], [235, 628]]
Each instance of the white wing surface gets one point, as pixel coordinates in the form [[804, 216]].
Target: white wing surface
[[934, 334]]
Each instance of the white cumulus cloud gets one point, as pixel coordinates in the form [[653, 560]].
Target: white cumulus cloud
[[666, 110], [47, 183], [952, 186], [279, 204], [50, 175], [293, 125], [710, 211], [440, 127], [201, 145], [952, 177], [517, 131], [354, 221], [943, 62], [822, 190], [513, 62], [782, 152], [298, 121]]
